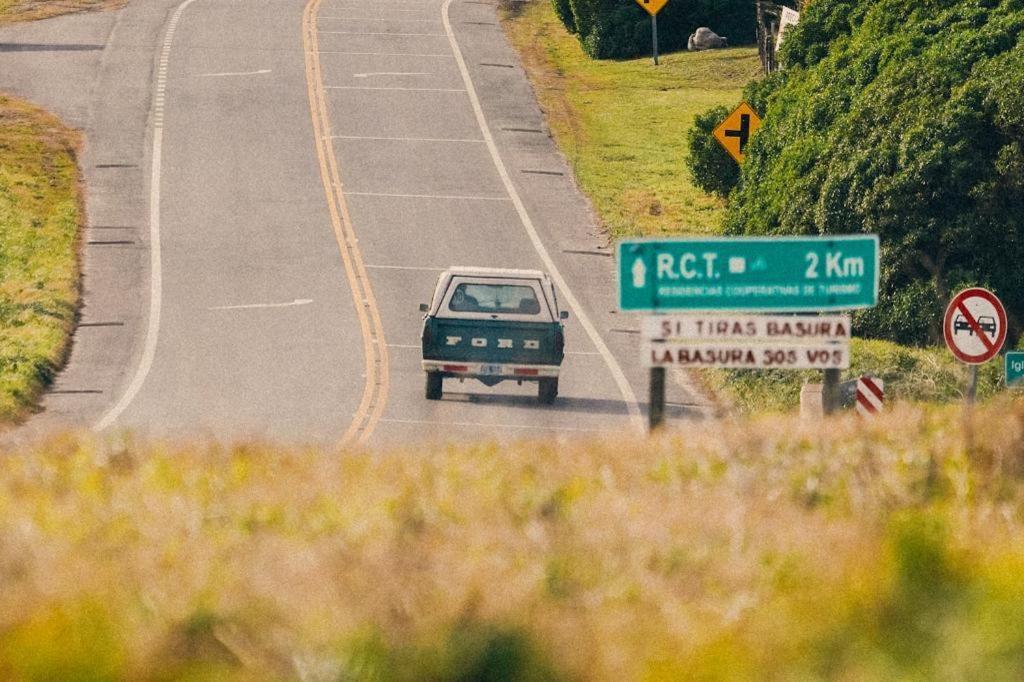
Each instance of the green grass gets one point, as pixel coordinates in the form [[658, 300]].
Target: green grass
[[910, 374], [623, 124], [772, 549], [40, 212]]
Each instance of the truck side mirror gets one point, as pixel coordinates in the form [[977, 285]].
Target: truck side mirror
[[424, 307], [564, 315]]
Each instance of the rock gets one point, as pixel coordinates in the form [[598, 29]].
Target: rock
[[706, 39]]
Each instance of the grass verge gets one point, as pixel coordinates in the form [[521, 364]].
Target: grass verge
[[775, 548], [622, 124], [910, 374], [40, 209], [12, 11]]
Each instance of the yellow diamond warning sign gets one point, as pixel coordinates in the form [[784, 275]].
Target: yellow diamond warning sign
[[735, 131], [652, 6]]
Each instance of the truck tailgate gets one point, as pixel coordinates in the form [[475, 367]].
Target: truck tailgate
[[497, 341]]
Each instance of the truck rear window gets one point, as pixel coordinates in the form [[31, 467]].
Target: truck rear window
[[494, 298]]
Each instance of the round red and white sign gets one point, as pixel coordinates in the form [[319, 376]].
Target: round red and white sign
[[975, 326]]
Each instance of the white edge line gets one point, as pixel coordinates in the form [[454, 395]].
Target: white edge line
[[613, 366], [155, 266]]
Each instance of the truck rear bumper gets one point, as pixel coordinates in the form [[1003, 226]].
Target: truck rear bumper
[[469, 370]]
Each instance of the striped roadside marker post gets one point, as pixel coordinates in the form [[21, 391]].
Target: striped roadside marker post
[[870, 396]]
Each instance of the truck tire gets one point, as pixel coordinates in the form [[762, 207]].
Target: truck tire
[[547, 391], [435, 384]]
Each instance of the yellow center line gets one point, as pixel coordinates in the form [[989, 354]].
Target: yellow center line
[[375, 353]]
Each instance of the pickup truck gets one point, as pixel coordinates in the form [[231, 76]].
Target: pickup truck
[[493, 325]]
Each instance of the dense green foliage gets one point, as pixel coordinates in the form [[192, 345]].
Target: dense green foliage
[[612, 29], [903, 118]]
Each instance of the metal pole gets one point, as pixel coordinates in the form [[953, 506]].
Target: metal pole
[[656, 405], [830, 391], [654, 36]]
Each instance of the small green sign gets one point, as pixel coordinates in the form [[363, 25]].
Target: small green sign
[[1015, 370], [796, 274]]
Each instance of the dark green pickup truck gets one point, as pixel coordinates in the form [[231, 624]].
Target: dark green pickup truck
[[493, 325]]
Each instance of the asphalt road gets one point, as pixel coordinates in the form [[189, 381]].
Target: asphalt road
[[243, 292]]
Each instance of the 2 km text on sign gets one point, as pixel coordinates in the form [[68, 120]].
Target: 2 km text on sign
[[798, 274]]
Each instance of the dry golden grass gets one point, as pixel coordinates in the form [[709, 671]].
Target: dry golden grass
[[774, 548], [12, 11]]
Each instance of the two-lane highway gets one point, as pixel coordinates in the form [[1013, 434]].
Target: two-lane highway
[[310, 169], [426, 186]]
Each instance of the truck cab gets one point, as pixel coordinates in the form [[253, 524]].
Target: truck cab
[[493, 325]]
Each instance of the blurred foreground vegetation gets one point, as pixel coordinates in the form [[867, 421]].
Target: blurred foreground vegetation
[[773, 548]]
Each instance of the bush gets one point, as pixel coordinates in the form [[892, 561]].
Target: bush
[[712, 168], [563, 8], [616, 29], [905, 119]]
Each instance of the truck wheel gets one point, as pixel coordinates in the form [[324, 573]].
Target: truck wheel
[[434, 385], [547, 390]]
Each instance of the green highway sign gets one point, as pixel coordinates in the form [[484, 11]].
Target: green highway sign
[[795, 274], [1015, 370]]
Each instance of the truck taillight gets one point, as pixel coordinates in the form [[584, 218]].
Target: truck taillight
[[455, 368], [525, 372]]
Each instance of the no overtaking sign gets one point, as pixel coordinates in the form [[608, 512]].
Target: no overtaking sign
[[975, 326]]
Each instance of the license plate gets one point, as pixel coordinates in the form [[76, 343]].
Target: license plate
[[490, 370]]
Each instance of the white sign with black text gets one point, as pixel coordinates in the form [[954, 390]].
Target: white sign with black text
[[747, 341]]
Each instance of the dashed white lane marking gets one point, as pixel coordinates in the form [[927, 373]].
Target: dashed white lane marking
[[397, 19], [450, 197], [518, 427], [383, 33], [389, 73], [407, 139], [250, 306], [628, 396], [368, 87], [387, 54], [155, 264], [233, 73], [404, 267]]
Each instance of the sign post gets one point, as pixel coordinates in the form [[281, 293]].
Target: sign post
[[974, 327], [746, 274], [653, 7]]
